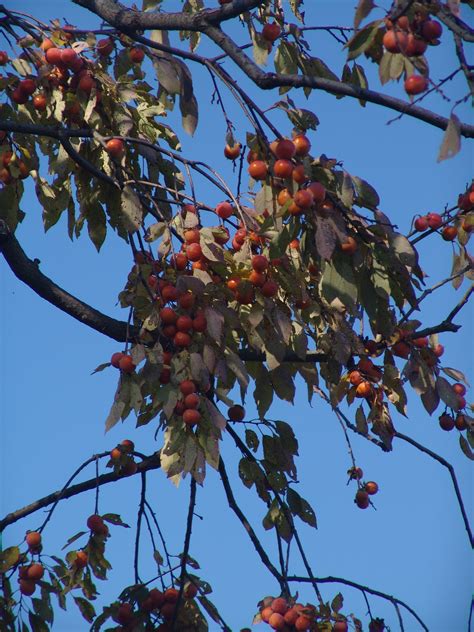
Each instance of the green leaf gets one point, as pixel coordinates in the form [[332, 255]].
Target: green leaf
[[446, 392], [362, 40], [338, 283], [73, 538], [115, 519], [86, 608], [251, 439], [8, 558], [455, 374], [466, 448], [364, 7], [38, 624], [131, 208], [451, 144]]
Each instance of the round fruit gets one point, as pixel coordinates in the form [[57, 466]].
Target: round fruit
[[186, 300], [96, 524], [127, 446], [116, 454], [19, 97], [182, 339], [39, 102], [193, 252], [259, 263], [232, 151], [304, 198], [126, 364], [269, 289], [294, 244], [27, 587], [200, 323], [420, 343], [282, 168], [266, 613], [81, 559], [318, 191], [257, 278], [271, 32], [355, 378], [279, 605], [168, 316], [285, 149], [302, 623], [53, 56], [415, 84], [446, 422], [35, 571], [87, 84], [302, 145], [68, 57], [115, 147], [171, 595], [415, 46], [225, 209], [449, 233], [276, 621], [349, 246], [187, 387], [236, 413], [434, 220], [129, 468], [355, 473], [184, 323], [191, 416], [362, 499], [401, 349], [3, 57], [421, 223], [137, 55], [340, 626], [395, 41], [105, 46], [27, 86], [115, 359], [371, 488], [283, 197], [169, 293], [191, 401], [461, 402], [431, 29], [156, 597], [460, 422], [258, 170], [459, 389], [124, 614], [438, 350], [364, 389], [33, 540]]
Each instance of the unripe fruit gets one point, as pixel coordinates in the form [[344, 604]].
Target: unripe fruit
[[434, 220], [259, 263], [182, 339], [271, 32], [362, 499], [446, 422], [421, 224], [232, 152], [224, 210], [137, 55], [415, 84], [33, 540], [285, 149], [236, 413], [35, 572], [114, 147], [371, 488], [126, 364], [258, 170], [283, 168]]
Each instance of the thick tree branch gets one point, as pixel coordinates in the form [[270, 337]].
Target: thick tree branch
[[150, 463], [29, 272]]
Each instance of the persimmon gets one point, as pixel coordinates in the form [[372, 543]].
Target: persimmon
[[19, 97], [303, 623], [104, 46], [355, 473], [449, 233], [169, 292], [137, 55], [415, 84], [349, 246], [257, 278], [115, 147], [271, 32], [459, 389], [167, 610], [33, 540], [395, 41], [224, 210], [420, 343], [355, 378], [192, 400], [27, 86], [362, 499], [126, 364], [192, 236], [434, 220], [438, 350], [340, 626], [81, 559], [124, 614], [276, 621], [27, 587], [68, 57], [446, 422], [302, 144], [168, 316], [266, 613], [184, 323], [291, 615], [182, 339], [53, 56], [285, 149], [299, 174], [187, 387], [169, 331], [371, 488], [269, 288], [415, 46], [171, 595], [236, 413], [232, 151], [431, 29], [283, 197], [129, 468], [421, 223], [200, 323], [304, 198], [193, 252], [279, 605], [460, 422], [259, 263], [156, 597], [365, 364], [294, 244], [364, 389], [116, 454], [318, 190], [35, 571], [258, 170], [40, 102], [283, 168], [191, 416], [401, 349]]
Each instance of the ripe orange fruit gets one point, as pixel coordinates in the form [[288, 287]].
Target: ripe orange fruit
[[362, 499], [449, 233], [194, 252], [283, 196], [302, 145], [294, 244], [355, 378], [350, 246], [459, 389], [191, 416], [35, 571], [115, 147], [415, 84], [266, 613], [460, 422], [282, 168], [299, 174], [318, 191], [39, 102], [33, 539], [137, 55], [81, 559], [200, 323], [434, 220], [236, 413], [421, 223], [187, 387], [415, 46], [232, 152], [364, 389], [285, 149], [304, 198], [303, 623], [115, 454], [129, 468], [168, 316], [271, 32], [257, 278], [171, 595], [192, 400], [182, 339], [279, 605], [225, 209], [258, 170], [340, 626], [371, 488], [276, 621], [126, 364], [431, 30]]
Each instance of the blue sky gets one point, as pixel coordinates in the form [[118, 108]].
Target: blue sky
[[52, 410]]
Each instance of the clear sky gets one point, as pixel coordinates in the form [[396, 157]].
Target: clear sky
[[413, 546]]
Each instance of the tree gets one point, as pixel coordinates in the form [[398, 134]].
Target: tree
[[283, 273]]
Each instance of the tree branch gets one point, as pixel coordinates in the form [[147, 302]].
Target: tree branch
[[150, 463]]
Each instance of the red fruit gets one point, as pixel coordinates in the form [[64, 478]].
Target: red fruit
[[302, 145], [180, 261], [294, 244], [395, 41], [460, 422], [35, 572], [257, 278], [449, 233], [259, 263], [165, 376], [33, 540], [340, 626], [258, 170], [171, 595], [129, 468], [279, 605], [191, 416], [269, 289], [415, 46], [188, 208], [126, 364], [169, 293], [81, 559], [304, 198], [115, 454], [291, 616], [192, 400], [3, 57], [27, 86], [168, 316], [124, 614], [115, 359], [355, 473], [224, 210], [461, 402], [446, 422], [184, 323], [266, 613], [194, 252], [137, 55], [303, 623], [434, 220], [105, 46], [371, 488], [187, 387], [86, 85], [156, 597], [169, 331], [283, 168], [96, 524], [401, 349], [364, 389], [236, 413], [27, 587], [115, 147], [245, 294], [19, 97], [53, 56], [285, 149], [39, 102], [355, 378], [459, 389], [420, 343], [283, 197], [192, 236], [232, 152], [68, 57], [431, 29], [318, 191], [415, 84], [127, 445], [182, 339], [240, 236], [421, 223], [276, 621], [271, 32], [362, 499], [186, 300], [200, 324], [349, 246], [438, 350]]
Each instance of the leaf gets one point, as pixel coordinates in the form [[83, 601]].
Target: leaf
[[37, 623], [252, 440], [236, 365], [337, 603], [455, 374], [131, 208], [86, 608], [451, 143], [115, 519], [8, 558], [364, 7], [259, 49], [430, 400], [338, 283], [325, 238], [361, 421], [114, 415], [466, 448], [73, 539], [403, 249], [301, 508], [447, 393], [362, 40]]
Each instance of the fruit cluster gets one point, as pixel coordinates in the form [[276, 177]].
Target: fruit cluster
[[30, 574], [121, 458], [282, 614]]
